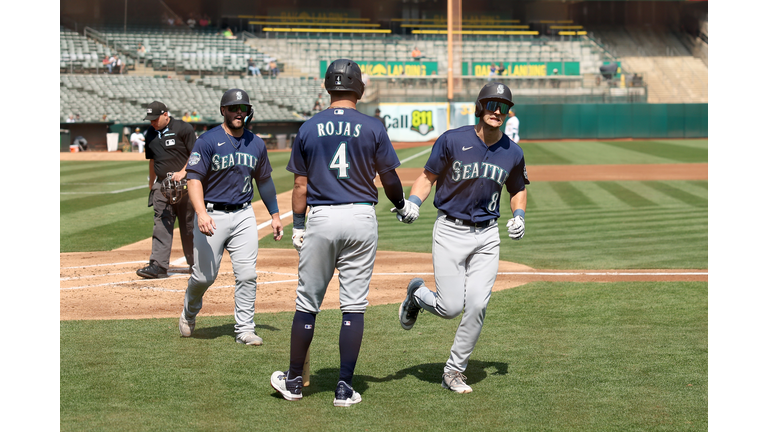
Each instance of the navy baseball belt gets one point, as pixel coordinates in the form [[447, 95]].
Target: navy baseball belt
[[226, 207], [483, 224]]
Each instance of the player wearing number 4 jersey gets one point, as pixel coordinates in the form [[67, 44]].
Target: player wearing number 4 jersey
[[335, 157], [223, 165], [470, 164]]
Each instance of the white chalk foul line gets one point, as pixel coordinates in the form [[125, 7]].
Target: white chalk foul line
[[416, 155], [104, 193], [269, 222]]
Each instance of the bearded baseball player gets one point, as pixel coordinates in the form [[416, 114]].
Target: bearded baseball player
[[223, 165], [335, 157], [470, 165]]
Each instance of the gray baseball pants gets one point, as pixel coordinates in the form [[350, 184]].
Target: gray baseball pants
[[162, 233], [340, 237], [238, 233], [465, 260]]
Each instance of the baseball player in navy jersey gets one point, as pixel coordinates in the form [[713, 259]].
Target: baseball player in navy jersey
[[470, 165], [335, 157], [222, 168]]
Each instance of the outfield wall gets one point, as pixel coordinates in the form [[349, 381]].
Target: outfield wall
[[590, 121]]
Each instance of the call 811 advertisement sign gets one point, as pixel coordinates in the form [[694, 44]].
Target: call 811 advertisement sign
[[414, 122]]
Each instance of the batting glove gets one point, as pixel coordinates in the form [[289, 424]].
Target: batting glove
[[516, 227], [407, 214], [298, 238]]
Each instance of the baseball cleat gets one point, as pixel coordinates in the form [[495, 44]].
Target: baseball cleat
[[152, 271], [409, 309], [249, 338], [289, 389], [346, 395], [186, 327], [456, 381]]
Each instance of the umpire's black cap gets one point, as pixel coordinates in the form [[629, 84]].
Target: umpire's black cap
[[155, 110]]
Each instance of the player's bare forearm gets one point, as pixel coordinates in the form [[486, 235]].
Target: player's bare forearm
[[519, 200], [204, 221], [277, 227], [299, 196], [423, 185]]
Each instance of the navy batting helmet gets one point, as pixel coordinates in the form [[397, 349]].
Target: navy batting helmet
[[494, 90], [237, 96], [344, 75]]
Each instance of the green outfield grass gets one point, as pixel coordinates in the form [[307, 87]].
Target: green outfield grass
[[611, 224], [552, 357]]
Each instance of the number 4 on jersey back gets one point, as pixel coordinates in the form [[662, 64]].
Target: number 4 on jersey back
[[339, 161]]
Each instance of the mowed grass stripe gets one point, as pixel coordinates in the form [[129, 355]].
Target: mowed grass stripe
[[102, 216], [128, 172], [71, 168], [626, 195], [543, 154], [669, 190], [124, 231], [78, 203], [572, 195], [667, 150]]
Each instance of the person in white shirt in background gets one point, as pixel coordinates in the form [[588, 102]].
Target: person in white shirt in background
[[137, 140], [512, 129]]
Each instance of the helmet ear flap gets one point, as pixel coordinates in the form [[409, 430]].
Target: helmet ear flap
[[478, 109]]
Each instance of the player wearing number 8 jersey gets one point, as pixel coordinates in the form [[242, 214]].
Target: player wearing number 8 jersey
[[223, 165], [470, 164], [335, 158]]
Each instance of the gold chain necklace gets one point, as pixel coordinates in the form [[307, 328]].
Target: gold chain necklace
[[230, 140]]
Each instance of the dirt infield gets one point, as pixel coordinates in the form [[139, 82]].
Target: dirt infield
[[104, 285]]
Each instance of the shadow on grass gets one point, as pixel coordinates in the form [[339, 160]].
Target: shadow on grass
[[224, 330], [325, 380]]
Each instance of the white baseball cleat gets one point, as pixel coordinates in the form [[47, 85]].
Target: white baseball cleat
[[186, 327], [409, 309], [456, 381], [290, 390], [346, 395], [249, 338]]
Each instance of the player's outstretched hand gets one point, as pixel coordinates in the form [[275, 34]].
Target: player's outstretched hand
[[516, 227], [298, 238], [408, 214]]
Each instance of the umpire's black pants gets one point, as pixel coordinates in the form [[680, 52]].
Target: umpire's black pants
[[165, 218]]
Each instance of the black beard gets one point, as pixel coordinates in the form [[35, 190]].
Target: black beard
[[231, 126]]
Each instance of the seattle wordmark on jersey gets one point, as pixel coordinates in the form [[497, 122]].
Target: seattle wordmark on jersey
[[472, 170]]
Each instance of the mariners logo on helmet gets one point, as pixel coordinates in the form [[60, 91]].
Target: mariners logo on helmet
[[239, 95], [500, 89]]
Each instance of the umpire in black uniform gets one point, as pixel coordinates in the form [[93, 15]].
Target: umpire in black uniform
[[169, 143]]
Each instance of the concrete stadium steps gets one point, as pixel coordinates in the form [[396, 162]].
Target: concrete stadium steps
[[671, 79]]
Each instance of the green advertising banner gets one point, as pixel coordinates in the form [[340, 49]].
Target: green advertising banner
[[379, 69], [523, 69]]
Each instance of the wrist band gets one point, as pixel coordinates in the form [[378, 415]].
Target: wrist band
[[519, 212], [298, 220], [414, 199]]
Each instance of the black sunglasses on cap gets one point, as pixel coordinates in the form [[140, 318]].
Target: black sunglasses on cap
[[235, 108], [492, 105]]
